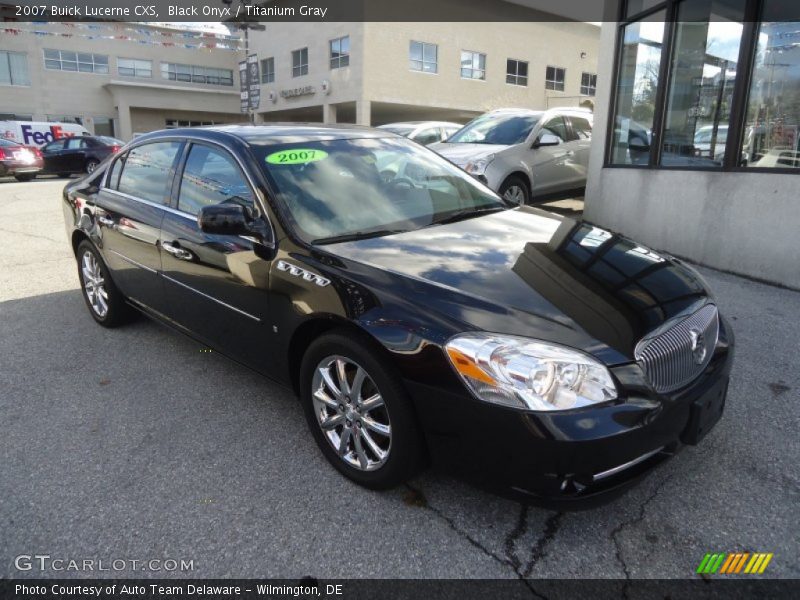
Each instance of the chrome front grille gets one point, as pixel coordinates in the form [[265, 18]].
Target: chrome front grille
[[677, 353]]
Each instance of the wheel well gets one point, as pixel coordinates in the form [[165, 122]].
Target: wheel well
[[77, 237], [301, 340], [310, 331], [523, 176]]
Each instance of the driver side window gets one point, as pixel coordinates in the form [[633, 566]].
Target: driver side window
[[557, 127], [211, 176]]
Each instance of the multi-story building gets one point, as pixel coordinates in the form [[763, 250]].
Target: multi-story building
[[126, 78], [117, 78], [375, 72]]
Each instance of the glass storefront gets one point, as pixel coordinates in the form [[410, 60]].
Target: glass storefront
[[726, 97]]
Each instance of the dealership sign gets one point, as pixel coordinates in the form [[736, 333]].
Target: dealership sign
[[306, 90]]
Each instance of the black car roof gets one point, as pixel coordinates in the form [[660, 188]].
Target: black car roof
[[279, 133]]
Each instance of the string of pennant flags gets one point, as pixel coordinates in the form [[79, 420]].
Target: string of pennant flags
[[203, 39]]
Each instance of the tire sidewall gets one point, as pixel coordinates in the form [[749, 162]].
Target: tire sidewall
[[406, 452], [516, 180], [118, 311]]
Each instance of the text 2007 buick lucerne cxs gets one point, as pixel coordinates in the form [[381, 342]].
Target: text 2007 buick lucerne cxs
[[418, 316]]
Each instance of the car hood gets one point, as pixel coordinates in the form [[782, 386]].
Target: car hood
[[532, 273], [461, 154]]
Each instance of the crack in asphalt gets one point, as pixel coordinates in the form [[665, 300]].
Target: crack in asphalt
[[511, 560], [538, 552], [631, 523]]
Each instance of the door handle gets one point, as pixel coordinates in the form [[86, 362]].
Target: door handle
[[105, 221], [177, 251]]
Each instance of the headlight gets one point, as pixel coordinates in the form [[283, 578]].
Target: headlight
[[525, 373], [478, 167]]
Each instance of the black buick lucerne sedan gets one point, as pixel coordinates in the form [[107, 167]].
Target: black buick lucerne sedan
[[417, 315]]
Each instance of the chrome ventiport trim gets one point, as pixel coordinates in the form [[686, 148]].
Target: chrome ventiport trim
[[296, 271]]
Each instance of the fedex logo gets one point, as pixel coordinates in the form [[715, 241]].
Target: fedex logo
[[40, 138]]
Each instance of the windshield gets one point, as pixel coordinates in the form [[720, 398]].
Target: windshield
[[502, 129], [404, 130], [5, 142], [367, 187]]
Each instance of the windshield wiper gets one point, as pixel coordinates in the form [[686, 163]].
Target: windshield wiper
[[357, 235], [467, 213]]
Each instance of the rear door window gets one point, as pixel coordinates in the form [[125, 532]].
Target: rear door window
[[211, 176], [147, 171]]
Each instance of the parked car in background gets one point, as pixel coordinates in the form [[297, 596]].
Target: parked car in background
[[39, 133], [21, 162], [415, 318], [423, 132], [522, 154], [703, 138], [78, 154]]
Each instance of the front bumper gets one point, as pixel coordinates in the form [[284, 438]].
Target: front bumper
[[579, 457]]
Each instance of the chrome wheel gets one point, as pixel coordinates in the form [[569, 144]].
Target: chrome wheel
[[91, 166], [351, 413], [94, 284], [515, 194]]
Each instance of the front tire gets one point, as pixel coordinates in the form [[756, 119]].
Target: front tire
[[91, 165], [105, 302], [359, 413], [515, 190]]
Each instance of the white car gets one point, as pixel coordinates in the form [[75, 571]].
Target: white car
[[522, 153], [423, 132]]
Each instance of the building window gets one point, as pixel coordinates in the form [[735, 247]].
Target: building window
[[554, 78], [423, 57], [64, 60], [175, 123], [268, 70], [15, 117], [473, 65], [300, 62], [516, 72], [133, 67], [14, 68], [770, 138], [340, 52], [588, 84], [196, 74], [637, 85], [700, 89]]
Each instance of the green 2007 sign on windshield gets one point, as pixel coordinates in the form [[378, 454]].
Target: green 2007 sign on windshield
[[296, 156]]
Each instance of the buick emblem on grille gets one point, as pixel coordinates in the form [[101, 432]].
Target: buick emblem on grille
[[698, 346]]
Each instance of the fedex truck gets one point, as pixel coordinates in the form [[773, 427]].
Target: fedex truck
[[39, 133]]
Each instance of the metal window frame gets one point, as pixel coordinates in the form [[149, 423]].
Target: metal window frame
[[422, 61], [299, 67], [740, 96], [471, 69], [340, 56], [268, 75], [515, 75], [556, 82]]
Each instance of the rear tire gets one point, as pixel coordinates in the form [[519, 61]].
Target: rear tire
[[105, 302], [64, 175], [515, 190], [91, 165], [371, 434], [23, 178]]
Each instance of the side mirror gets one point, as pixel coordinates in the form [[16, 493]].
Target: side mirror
[[546, 139], [234, 219]]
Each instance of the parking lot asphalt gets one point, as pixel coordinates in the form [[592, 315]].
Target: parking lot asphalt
[[134, 444]]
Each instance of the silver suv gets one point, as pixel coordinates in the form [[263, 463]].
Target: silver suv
[[522, 154]]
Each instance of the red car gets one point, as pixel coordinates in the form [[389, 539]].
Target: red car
[[23, 162]]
